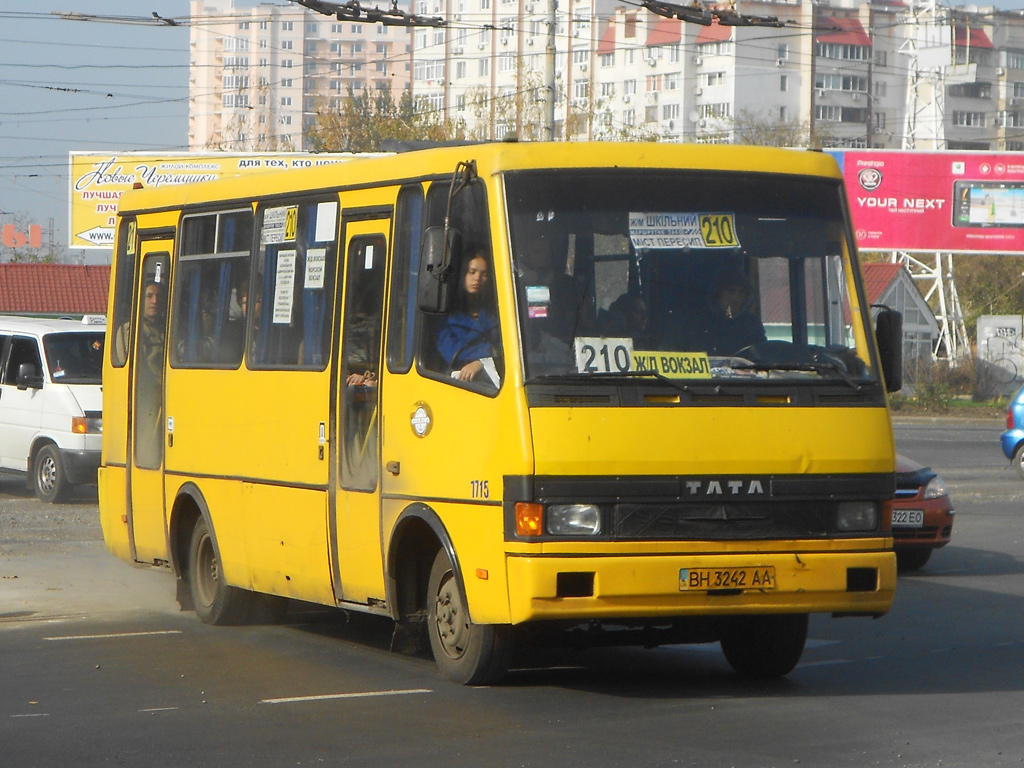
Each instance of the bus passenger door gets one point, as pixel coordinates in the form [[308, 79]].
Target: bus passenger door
[[354, 507], [146, 525]]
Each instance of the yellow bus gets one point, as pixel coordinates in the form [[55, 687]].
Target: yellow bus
[[630, 393]]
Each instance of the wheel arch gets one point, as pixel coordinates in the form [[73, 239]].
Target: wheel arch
[[189, 506], [417, 536], [38, 443]]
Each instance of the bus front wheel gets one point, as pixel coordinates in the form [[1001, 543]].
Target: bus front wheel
[[762, 647], [214, 601], [467, 653]]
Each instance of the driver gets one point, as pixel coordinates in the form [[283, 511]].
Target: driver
[[733, 324]]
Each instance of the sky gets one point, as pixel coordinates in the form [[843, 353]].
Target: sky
[[98, 85], [85, 86]]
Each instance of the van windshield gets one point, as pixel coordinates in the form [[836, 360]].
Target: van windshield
[[685, 274], [74, 358]]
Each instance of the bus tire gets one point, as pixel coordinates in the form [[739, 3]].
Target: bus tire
[[763, 647], [214, 601], [49, 481], [466, 653]]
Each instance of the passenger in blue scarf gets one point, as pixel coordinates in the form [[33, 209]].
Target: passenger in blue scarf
[[470, 338]]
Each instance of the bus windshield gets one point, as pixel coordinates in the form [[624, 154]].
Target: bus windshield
[[684, 274]]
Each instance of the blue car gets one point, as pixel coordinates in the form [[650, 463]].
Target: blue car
[[1012, 440]]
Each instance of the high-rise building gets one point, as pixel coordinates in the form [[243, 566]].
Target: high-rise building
[[260, 75]]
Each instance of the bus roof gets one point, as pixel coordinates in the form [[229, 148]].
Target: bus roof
[[491, 158]]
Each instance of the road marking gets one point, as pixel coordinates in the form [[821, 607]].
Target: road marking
[[41, 714], [158, 709], [119, 635], [329, 696]]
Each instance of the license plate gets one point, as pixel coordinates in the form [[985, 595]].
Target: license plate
[[907, 518], [760, 577]]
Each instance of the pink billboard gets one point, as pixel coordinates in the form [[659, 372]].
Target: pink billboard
[[970, 202]]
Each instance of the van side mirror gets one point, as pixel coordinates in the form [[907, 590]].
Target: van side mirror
[[439, 259], [889, 335], [28, 377]]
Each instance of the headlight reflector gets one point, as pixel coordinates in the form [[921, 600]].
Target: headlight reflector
[[857, 516], [574, 520], [935, 488]]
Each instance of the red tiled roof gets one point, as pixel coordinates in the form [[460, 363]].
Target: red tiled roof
[[665, 32], [54, 289], [877, 277], [977, 39], [713, 34], [850, 32]]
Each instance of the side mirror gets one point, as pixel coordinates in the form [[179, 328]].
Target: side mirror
[[889, 335], [439, 259], [28, 377]]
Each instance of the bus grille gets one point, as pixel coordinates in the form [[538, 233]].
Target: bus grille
[[768, 520]]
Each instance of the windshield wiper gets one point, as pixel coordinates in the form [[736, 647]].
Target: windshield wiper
[[602, 376], [818, 367]]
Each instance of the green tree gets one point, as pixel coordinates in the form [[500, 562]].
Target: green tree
[[367, 120]]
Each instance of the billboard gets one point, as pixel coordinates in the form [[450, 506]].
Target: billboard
[[966, 202], [97, 181]]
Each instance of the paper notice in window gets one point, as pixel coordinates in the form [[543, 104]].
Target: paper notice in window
[[316, 261], [284, 287]]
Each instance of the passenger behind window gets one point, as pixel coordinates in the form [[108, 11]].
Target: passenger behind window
[[469, 341], [626, 317]]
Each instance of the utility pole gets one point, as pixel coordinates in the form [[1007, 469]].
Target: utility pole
[[549, 91]]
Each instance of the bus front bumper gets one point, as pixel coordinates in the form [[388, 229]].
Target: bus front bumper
[[655, 586]]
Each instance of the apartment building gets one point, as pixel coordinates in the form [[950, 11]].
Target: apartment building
[[843, 68], [259, 75]]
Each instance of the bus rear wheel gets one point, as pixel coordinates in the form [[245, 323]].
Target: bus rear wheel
[[214, 601], [763, 647], [467, 653]]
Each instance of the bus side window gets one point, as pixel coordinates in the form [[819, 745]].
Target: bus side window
[[127, 246], [207, 324], [464, 345], [404, 273], [291, 294]]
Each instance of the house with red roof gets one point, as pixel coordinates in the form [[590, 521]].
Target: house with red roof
[[892, 285], [54, 290]]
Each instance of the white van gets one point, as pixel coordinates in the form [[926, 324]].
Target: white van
[[51, 408]]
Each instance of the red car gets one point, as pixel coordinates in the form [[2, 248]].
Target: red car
[[922, 514]]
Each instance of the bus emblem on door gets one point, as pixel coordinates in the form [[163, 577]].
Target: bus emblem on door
[[421, 420]]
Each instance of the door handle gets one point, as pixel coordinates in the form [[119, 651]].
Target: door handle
[[394, 467]]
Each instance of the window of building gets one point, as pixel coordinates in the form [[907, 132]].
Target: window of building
[[841, 51], [969, 119], [784, 82]]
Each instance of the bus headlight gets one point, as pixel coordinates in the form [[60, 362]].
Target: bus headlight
[[857, 516], [574, 520]]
